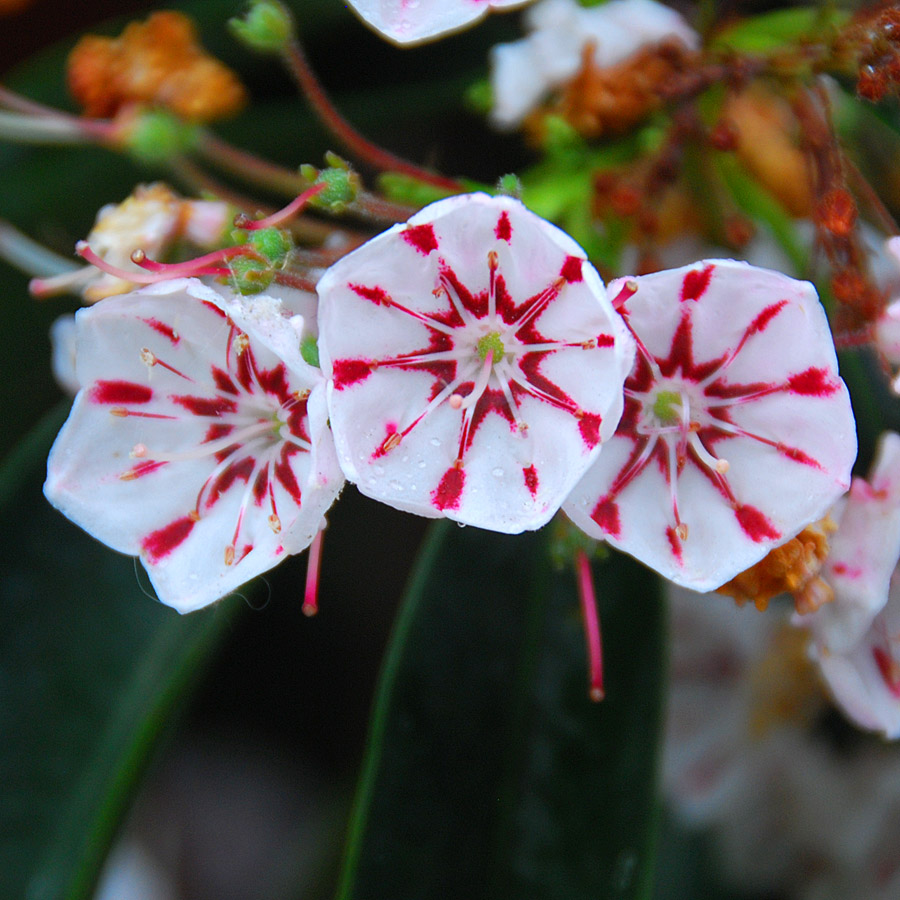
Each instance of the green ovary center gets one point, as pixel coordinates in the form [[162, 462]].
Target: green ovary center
[[490, 342], [667, 407]]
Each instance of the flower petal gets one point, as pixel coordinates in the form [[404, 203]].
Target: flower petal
[[407, 22]]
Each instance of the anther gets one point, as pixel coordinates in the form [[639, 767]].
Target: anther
[[275, 523], [138, 257], [139, 451], [229, 554], [493, 259], [118, 411], [148, 357], [392, 441], [241, 343], [682, 531], [455, 401], [722, 466]]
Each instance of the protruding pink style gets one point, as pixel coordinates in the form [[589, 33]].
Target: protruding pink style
[[198, 440], [737, 430], [475, 363], [408, 22]]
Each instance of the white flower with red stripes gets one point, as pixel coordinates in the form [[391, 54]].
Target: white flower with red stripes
[[407, 22], [737, 430], [475, 363], [199, 439]]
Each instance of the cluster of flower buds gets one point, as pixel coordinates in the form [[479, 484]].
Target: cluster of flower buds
[[469, 363]]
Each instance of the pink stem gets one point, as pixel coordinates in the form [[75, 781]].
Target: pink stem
[[348, 135], [313, 562], [588, 599]]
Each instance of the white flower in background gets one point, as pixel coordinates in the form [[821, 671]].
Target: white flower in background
[[798, 804], [856, 637], [152, 220], [737, 430], [407, 22], [198, 440], [475, 363], [887, 328], [525, 71]]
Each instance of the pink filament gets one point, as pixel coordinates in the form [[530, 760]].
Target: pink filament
[[588, 599], [313, 562], [282, 215]]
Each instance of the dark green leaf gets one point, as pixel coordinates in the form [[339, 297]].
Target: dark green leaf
[[489, 772], [91, 671]]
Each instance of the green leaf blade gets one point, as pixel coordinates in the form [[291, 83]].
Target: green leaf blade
[[490, 773]]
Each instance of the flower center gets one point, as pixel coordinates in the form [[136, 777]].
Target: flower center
[[490, 342], [667, 407]]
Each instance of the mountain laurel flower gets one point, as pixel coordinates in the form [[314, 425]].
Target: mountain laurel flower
[[475, 364], [407, 22], [737, 431], [524, 72], [152, 220], [856, 637], [199, 438]]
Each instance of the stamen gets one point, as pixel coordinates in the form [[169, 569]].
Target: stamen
[[629, 289], [313, 563], [282, 215], [481, 383], [588, 598], [493, 263]]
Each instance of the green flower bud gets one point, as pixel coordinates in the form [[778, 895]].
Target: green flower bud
[[271, 243], [249, 276], [157, 136], [267, 26]]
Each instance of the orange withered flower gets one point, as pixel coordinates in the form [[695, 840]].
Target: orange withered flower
[[157, 63]]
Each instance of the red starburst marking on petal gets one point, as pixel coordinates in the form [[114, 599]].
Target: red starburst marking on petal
[[531, 478], [675, 544], [160, 543], [606, 340], [421, 237], [165, 330], [755, 525], [681, 353], [695, 283], [238, 471], [223, 381], [812, 383], [206, 406], [285, 474], [503, 230], [350, 371], [888, 669], [571, 269], [120, 392], [490, 401], [376, 294], [589, 426], [799, 456], [447, 494], [606, 515]]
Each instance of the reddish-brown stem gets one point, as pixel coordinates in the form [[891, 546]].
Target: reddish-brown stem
[[313, 561], [359, 146], [588, 599], [288, 279]]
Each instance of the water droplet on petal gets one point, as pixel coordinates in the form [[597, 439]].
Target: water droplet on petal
[[435, 442], [497, 473], [379, 470], [395, 485]]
